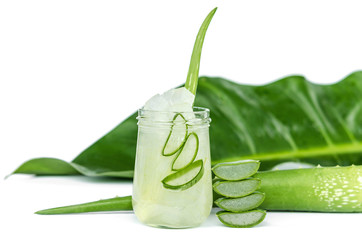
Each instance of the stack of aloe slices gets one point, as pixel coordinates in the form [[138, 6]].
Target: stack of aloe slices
[[238, 196]]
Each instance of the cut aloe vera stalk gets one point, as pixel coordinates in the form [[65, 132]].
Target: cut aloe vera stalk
[[188, 152], [186, 177], [176, 137], [237, 170], [236, 189], [241, 204], [241, 220], [193, 73]]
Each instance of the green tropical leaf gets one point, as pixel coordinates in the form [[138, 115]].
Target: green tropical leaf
[[47, 166], [291, 119]]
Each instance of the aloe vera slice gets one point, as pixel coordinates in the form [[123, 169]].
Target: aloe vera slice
[[236, 189], [188, 152], [237, 170], [186, 177], [241, 204], [176, 137], [241, 220]]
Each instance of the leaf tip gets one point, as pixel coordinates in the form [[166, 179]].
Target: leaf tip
[[48, 211], [7, 176]]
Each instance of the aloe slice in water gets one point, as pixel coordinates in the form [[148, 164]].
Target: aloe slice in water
[[241, 204], [188, 172], [241, 220], [187, 153], [236, 189], [237, 170], [186, 177], [176, 137]]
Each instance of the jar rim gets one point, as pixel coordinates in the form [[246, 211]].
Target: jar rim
[[197, 110], [199, 116]]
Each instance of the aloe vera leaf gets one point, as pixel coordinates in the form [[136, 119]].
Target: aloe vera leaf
[[183, 158], [241, 204], [241, 220], [176, 137], [237, 170], [193, 73], [236, 189], [112, 204], [185, 178], [288, 120], [301, 190], [320, 189]]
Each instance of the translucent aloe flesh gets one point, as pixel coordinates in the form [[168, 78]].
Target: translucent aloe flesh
[[185, 158], [177, 136], [241, 220], [185, 178], [242, 204], [238, 170], [236, 189]]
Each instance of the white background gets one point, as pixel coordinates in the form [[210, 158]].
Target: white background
[[71, 70]]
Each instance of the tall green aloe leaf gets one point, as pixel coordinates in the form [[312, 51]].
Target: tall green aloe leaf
[[288, 120], [193, 73]]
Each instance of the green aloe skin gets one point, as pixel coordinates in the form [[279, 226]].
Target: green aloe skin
[[332, 189], [193, 73], [320, 189], [111, 204]]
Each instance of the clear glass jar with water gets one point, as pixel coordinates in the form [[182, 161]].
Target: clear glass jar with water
[[172, 181]]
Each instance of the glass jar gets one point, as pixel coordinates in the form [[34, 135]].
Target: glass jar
[[172, 184]]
